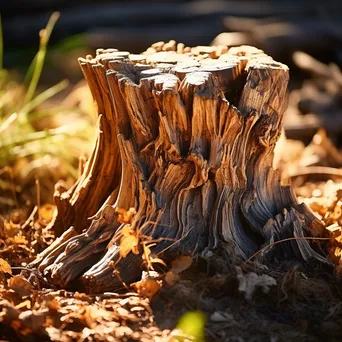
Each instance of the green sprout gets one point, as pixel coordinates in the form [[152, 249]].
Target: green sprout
[[192, 324]]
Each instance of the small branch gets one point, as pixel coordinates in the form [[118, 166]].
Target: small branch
[[281, 241]]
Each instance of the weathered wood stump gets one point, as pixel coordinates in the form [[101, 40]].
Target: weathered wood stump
[[186, 137]]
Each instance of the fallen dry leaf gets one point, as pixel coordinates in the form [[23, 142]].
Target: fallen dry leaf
[[20, 240], [171, 278], [149, 258], [149, 285], [52, 304], [180, 264], [25, 304], [19, 284], [11, 229], [125, 216], [46, 212], [5, 266], [129, 241]]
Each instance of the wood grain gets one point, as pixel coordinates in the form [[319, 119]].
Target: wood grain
[[187, 139]]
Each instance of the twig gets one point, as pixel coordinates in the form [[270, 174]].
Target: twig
[[30, 218], [38, 196], [280, 241], [40, 57]]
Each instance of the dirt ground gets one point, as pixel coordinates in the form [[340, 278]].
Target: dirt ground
[[238, 302], [263, 299]]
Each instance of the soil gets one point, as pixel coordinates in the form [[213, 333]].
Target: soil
[[303, 303]]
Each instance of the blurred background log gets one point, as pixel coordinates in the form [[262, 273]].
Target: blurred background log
[[280, 28], [266, 20]]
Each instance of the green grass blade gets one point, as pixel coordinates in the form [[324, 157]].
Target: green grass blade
[[30, 70], [45, 95], [1, 46], [72, 43], [40, 57], [5, 125], [51, 112], [1, 57], [68, 130]]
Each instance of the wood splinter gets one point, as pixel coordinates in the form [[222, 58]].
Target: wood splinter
[[186, 138]]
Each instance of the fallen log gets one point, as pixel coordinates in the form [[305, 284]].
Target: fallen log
[[186, 138], [280, 37], [317, 103], [20, 25]]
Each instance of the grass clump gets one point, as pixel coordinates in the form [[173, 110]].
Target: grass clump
[[38, 137]]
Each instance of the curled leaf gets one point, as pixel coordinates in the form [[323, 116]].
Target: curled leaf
[[26, 304], [155, 260], [21, 285], [180, 264], [150, 258]]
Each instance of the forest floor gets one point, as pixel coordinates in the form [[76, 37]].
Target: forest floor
[[223, 301]]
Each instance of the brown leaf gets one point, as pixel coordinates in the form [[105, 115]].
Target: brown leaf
[[125, 216], [129, 241], [155, 260], [46, 212], [21, 285], [25, 304], [20, 240], [180, 264], [52, 304], [149, 257], [5, 266], [147, 287], [171, 278], [11, 229]]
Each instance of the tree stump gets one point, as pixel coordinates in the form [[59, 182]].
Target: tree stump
[[186, 138]]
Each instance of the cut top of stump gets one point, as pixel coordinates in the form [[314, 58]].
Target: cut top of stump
[[164, 84], [231, 68]]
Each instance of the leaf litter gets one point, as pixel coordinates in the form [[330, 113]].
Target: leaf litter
[[241, 301]]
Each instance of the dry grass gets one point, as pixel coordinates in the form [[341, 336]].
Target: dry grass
[[34, 144]]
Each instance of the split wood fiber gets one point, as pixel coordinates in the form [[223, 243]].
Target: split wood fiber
[[186, 137]]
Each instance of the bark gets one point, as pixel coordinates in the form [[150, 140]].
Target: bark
[[186, 139]]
